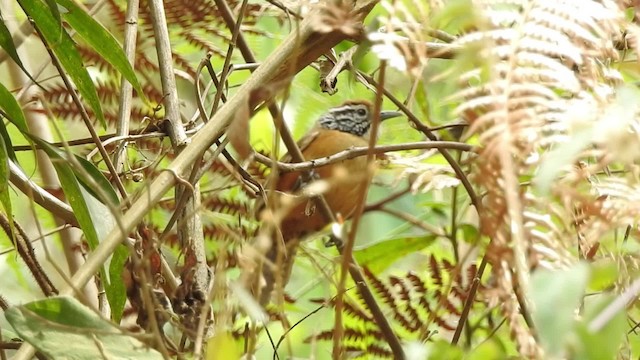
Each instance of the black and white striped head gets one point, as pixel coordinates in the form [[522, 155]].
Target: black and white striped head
[[353, 117]]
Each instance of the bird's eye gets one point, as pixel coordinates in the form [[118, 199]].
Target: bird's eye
[[362, 112]]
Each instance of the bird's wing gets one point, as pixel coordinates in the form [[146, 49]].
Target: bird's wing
[[303, 143], [292, 182]]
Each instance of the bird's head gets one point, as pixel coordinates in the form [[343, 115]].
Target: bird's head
[[353, 117]]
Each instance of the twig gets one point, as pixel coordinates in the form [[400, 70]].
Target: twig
[[360, 151], [108, 138], [284, 335], [22, 244], [126, 89], [617, 305], [379, 204], [412, 219], [189, 227], [469, 301], [42, 197], [328, 82]]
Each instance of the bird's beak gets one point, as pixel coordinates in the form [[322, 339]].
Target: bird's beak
[[384, 115]]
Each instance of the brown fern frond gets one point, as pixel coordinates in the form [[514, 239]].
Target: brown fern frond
[[214, 202], [536, 62]]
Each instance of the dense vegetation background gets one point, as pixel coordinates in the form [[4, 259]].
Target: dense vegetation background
[[501, 221]]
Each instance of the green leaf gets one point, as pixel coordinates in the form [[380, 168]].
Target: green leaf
[[80, 204], [12, 109], [95, 176], [470, 233], [605, 343], [380, 255], [65, 50], [6, 42], [98, 178], [74, 196], [63, 328], [556, 295], [117, 292], [54, 11], [5, 199], [100, 40], [7, 141]]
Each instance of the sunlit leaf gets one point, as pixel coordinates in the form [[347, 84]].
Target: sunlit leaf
[[12, 109], [556, 295], [63, 328], [116, 292], [380, 255], [604, 343]]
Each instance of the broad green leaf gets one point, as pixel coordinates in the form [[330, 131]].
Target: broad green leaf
[[15, 115], [556, 295], [96, 177], [602, 344], [53, 7], [117, 292], [63, 328], [8, 334], [380, 255], [65, 50], [100, 40]]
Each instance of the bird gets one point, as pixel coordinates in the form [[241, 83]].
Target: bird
[[340, 128]]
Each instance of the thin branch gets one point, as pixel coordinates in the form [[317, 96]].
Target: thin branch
[[412, 220], [126, 89], [21, 242], [42, 197], [284, 335], [617, 305], [360, 151], [471, 297], [381, 203]]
